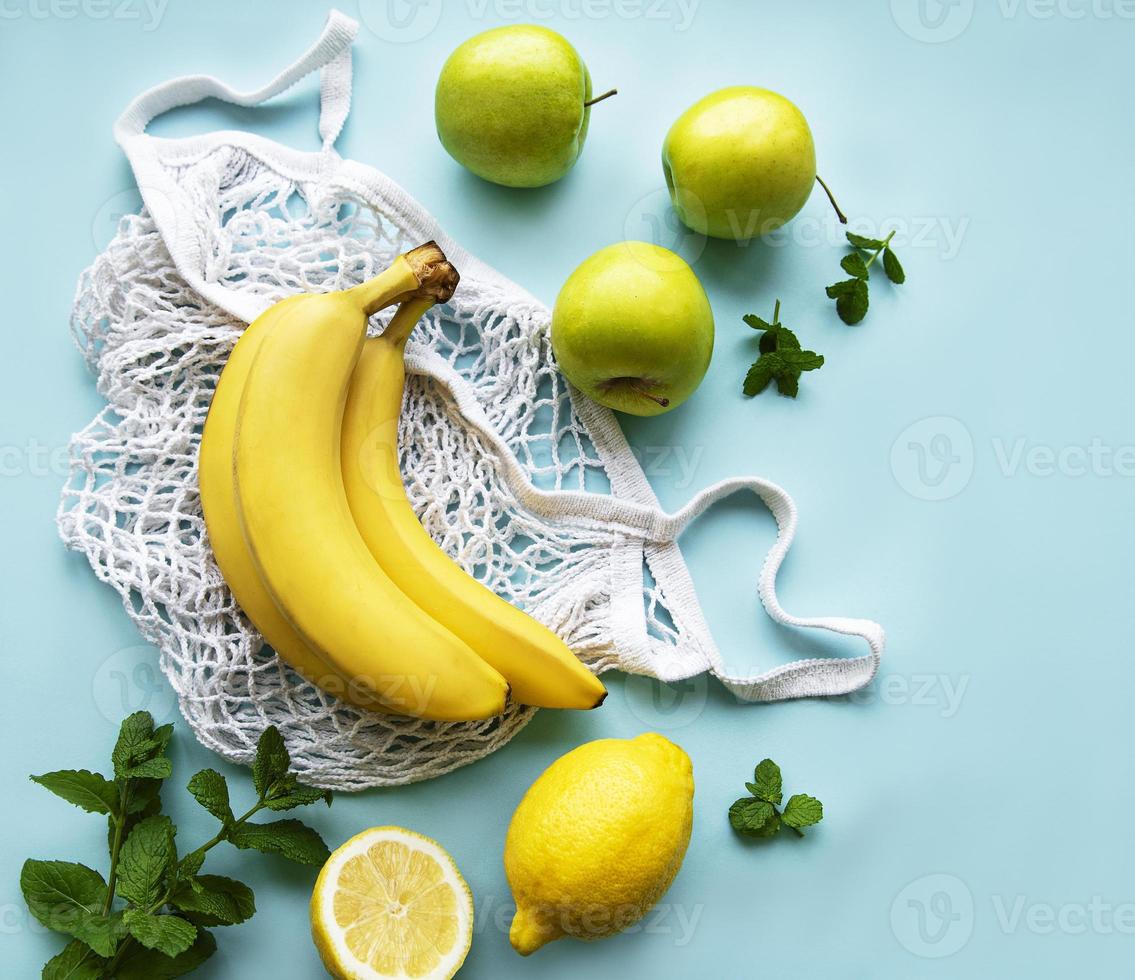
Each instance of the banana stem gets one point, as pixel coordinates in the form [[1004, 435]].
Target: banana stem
[[405, 318], [423, 271], [387, 287]]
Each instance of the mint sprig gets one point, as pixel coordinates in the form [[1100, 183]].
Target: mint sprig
[[147, 919], [760, 815], [781, 359], [852, 296]]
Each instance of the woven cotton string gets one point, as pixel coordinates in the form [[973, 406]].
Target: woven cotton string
[[534, 492]]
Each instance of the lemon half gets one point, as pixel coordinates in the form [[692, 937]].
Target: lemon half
[[391, 903]]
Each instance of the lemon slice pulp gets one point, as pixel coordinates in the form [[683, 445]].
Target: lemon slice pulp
[[391, 904]]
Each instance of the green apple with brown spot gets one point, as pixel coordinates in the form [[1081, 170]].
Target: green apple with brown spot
[[632, 329]]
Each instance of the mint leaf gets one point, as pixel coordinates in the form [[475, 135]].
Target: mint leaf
[[781, 358], [893, 268], [291, 794], [756, 322], [143, 793], [149, 964], [136, 742], [68, 898], [62, 894], [802, 360], [168, 934], [156, 768], [779, 338], [753, 817], [763, 370], [191, 864], [214, 900], [786, 339], [76, 961], [768, 342], [101, 932], [870, 244], [854, 265], [788, 382], [759, 815], [142, 803], [767, 782], [212, 792], [288, 838], [162, 736], [851, 300], [271, 762], [146, 859], [89, 790], [802, 811]]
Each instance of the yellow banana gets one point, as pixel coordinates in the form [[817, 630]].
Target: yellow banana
[[298, 525], [216, 480], [540, 668], [218, 501]]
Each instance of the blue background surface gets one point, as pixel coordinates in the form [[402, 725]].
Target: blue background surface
[[978, 796]]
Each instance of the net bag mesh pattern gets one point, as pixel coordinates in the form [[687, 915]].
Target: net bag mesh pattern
[[131, 504]]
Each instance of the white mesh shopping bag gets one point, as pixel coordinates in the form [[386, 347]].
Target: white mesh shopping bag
[[500, 458]]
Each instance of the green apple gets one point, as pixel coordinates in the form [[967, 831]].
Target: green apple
[[512, 105], [632, 329], [739, 163]]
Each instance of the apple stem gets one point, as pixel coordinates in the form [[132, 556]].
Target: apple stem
[[776, 314], [831, 197], [664, 402], [600, 98]]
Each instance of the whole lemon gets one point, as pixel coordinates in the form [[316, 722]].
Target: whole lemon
[[598, 839]]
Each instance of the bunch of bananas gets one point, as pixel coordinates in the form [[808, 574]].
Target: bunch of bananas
[[311, 528]]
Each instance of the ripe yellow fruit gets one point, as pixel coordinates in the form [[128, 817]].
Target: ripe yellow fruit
[[539, 667], [298, 527], [598, 839], [391, 903]]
